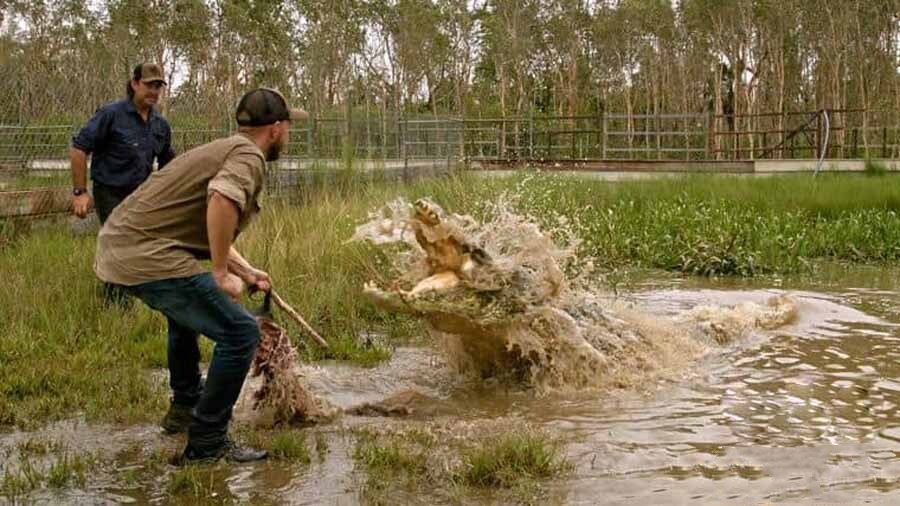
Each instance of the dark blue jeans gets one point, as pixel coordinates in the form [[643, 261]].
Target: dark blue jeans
[[193, 306]]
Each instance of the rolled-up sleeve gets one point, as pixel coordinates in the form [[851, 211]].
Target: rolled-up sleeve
[[240, 178], [95, 130]]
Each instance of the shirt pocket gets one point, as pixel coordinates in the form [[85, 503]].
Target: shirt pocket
[[126, 146]]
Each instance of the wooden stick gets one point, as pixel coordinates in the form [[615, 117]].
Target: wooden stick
[[299, 319]]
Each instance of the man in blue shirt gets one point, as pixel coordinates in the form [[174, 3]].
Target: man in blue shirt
[[123, 137]]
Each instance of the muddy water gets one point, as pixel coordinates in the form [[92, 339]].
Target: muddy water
[[804, 415], [801, 415]]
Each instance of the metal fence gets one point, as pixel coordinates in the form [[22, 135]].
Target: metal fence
[[686, 137], [378, 141], [318, 139], [323, 150]]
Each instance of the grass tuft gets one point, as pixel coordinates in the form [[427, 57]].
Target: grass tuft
[[63, 470], [290, 445], [390, 458], [873, 168], [511, 459]]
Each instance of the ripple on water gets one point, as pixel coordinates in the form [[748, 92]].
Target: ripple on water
[[805, 414]]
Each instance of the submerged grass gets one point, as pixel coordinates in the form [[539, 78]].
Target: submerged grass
[[196, 482], [34, 470], [65, 353], [513, 463], [290, 445], [391, 463]]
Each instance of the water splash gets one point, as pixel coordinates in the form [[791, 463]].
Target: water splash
[[504, 298]]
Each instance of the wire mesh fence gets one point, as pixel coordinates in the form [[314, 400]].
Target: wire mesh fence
[[321, 151], [372, 142], [325, 150], [686, 137]]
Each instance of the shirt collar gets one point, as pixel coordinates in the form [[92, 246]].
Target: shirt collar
[[129, 107]]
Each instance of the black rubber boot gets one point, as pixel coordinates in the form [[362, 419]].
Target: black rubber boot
[[177, 420], [230, 451]]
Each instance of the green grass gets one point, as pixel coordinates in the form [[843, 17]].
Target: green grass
[[873, 168], [290, 445], [714, 225], [36, 447], [61, 470], [68, 470], [65, 353], [27, 182], [512, 460], [193, 481], [391, 462], [390, 458], [514, 463]]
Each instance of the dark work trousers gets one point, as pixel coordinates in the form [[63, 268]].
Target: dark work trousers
[[193, 306], [106, 198]]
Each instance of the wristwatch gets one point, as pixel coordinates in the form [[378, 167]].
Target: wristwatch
[[79, 191]]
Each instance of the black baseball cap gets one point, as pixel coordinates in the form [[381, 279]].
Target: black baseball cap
[[264, 106]]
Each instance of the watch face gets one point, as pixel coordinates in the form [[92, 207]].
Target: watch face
[[79, 191]]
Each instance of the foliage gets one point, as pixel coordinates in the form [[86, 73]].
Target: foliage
[[498, 57]]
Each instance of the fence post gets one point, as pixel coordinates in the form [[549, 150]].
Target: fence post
[[884, 142], [604, 140], [311, 139], [500, 140], [349, 144], [399, 139], [447, 143], [462, 143], [531, 135], [549, 144], [658, 126], [405, 154], [574, 139]]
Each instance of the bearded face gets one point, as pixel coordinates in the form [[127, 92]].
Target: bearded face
[[274, 151]]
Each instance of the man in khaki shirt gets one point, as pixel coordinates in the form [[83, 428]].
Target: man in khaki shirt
[[152, 245]]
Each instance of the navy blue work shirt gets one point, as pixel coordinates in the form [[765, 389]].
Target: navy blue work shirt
[[123, 145]]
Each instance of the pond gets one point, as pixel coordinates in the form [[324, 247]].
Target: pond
[[804, 413]]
